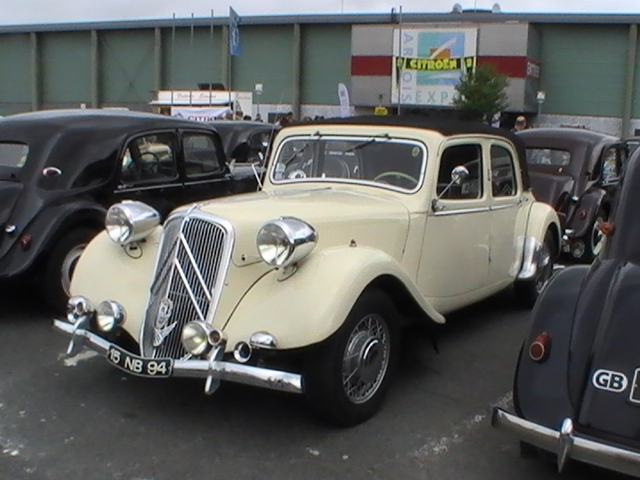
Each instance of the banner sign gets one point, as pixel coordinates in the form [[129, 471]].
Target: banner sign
[[429, 63], [234, 32], [343, 97], [435, 65], [200, 114]]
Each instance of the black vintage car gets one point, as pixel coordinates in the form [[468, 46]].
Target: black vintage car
[[577, 382], [246, 144], [576, 171], [60, 169]]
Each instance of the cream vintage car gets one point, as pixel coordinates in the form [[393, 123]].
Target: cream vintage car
[[363, 226]]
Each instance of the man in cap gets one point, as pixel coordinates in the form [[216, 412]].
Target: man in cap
[[521, 124]]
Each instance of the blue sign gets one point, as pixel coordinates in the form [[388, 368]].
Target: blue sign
[[234, 33]]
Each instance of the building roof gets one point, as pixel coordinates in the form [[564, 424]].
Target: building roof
[[369, 18]]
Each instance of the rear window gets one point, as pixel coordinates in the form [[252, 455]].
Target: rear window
[[548, 156], [13, 155]]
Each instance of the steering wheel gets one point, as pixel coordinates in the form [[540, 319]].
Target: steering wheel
[[298, 173], [402, 176], [149, 165]]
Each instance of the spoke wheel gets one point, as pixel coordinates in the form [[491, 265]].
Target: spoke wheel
[[366, 358], [346, 377]]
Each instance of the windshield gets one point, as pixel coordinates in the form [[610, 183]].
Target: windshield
[[395, 163], [548, 156]]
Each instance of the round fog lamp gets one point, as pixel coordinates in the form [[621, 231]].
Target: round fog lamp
[[78, 309], [195, 338], [110, 315], [577, 248]]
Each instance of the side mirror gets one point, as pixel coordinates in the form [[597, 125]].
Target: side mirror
[[458, 175]]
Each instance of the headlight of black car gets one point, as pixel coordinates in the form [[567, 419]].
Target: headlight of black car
[[285, 241], [130, 221]]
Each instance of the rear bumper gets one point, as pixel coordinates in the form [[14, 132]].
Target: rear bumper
[[568, 445], [212, 369]]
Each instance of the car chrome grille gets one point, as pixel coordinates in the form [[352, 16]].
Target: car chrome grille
[[192, 263]]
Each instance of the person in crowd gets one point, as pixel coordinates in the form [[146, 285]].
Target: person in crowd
[[521, 124]]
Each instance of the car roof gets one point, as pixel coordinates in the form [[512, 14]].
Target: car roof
[[446, 127], [566, 134], [87, 118]]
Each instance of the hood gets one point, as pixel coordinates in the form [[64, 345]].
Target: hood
[[340, 218], [550, 188], [605, 358]]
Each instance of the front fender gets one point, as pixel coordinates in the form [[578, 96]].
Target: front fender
[[310, 305], [542, 218], [45, 229], [589, 203]]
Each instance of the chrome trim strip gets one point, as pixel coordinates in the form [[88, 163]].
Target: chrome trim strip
[[503, 206], [216, 369], [460, 211], [192, 296], [187, 249], [568, 444]]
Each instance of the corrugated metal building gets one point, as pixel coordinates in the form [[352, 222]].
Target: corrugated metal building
[[586, 66]]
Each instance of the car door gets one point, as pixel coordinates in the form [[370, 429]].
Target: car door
[[507, 220], [455, 256], [148, 171], [204, 169]]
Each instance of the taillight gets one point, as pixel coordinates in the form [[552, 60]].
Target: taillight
[[25, 242], [540, 347]]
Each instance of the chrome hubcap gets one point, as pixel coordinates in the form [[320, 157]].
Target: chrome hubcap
[[597, 237], [366, 358], [545, 267], [69, 265]]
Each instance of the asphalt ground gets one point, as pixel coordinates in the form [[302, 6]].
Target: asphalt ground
[[83, 419]]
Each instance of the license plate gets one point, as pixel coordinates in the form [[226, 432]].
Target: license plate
[[144, 367]]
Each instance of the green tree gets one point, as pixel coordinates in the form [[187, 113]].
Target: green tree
[[481, 93]]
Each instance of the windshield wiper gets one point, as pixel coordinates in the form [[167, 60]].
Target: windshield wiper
[[366, 143], [304, 147]]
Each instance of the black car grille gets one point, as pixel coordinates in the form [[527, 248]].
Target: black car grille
[[193, 259]]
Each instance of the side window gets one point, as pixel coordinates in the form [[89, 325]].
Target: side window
[[149, 158], [469, 156], [611, 165], [503, 178], [200, 155]]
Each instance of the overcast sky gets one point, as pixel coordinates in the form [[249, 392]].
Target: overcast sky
[[17, 12]]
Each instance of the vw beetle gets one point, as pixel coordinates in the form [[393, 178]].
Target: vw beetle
[[364, 225], [577, 380]]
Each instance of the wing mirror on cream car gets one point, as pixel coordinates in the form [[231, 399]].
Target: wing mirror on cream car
[[458, 175]]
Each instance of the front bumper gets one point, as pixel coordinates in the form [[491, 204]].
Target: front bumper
[[212, 369], [568, 445]]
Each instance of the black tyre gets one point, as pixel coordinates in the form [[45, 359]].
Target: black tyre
[[60, 265], [594, 240], [348, 375], [528, 291]]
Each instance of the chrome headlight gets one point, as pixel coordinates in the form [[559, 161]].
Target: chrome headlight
[[79, 309], [110, 315], [130, 221], [285, 241]]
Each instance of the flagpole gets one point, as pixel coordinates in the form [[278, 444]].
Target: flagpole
[[192, 62], [398, 70], [173, 51], [212, 48]]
